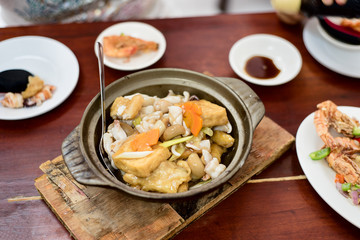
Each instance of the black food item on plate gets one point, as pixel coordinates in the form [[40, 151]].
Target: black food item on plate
[[14, 80]]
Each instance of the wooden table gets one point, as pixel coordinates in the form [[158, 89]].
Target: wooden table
[[288, 209]]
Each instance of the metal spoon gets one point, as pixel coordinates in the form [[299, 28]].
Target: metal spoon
[[103, 154]]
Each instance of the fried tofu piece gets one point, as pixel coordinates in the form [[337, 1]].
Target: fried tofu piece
[[124, 108], [169, 177], [183, 187], [142, 167], [212, 114]]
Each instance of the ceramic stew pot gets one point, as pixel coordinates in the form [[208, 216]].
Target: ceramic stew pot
[[244, 109]]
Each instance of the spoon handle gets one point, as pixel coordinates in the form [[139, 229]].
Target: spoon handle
[[105, 160], [102, 85]]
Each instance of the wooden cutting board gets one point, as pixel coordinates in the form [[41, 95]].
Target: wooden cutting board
[[90, 212]]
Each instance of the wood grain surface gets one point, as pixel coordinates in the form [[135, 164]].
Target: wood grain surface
[[288, 209]]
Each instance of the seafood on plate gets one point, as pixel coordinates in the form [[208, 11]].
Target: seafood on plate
[[35, 94], [125, 46], [13, 100], [352, 23], [44, 94], [168, 144], [341, 152]]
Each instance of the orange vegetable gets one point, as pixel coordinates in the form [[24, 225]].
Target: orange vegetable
[[192, 117], [339, 178], [145, 140]]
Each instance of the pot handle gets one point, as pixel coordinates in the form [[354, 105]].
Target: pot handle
[[250, 98], [77, 165]]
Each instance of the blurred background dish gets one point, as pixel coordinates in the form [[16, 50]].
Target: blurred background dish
[[341, 59], [54, 11], [12, 12], [341, 31], [283, 54], [137, 30]]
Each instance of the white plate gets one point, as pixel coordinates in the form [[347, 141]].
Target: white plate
[[138, 30], [284, 54], [47, 58], [342, 60], [319, 174]]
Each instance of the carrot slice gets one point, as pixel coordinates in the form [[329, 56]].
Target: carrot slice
[[192, 117], [145, 140], [193, 107], [339, 178]]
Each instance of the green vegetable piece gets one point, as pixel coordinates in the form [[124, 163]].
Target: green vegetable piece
[[180, 149], [356, 131], [320, 154], [346, 187], [175, 141], [137, 121], [208, 131], [173, 158]]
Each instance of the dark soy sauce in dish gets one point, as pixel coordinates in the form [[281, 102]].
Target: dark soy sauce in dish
[[261, 67]]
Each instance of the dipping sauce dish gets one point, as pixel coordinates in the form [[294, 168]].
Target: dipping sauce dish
[[284, 55]]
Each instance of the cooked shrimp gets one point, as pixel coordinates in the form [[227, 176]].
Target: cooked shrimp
[[345, 166], [12, 100], [341, 158], [347, 145], [321, 121], [44, 94], [124, 46], [329, 116]]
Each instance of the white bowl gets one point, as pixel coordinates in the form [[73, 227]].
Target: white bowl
[[285, 56]]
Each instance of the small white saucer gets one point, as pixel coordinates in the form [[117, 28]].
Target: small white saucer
[[285, 56], [138, 30], [340, 59]]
